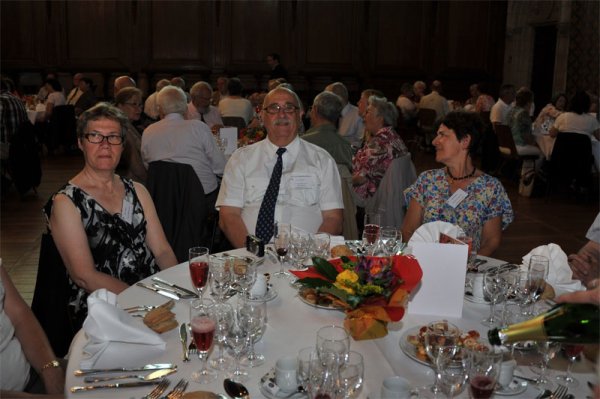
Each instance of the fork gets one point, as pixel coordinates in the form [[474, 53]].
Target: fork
[[192, 348], [178, 390], [559, 392], [158, 390]]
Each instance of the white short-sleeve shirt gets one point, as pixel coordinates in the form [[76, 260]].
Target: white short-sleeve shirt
[[310, 183], [576, 123]]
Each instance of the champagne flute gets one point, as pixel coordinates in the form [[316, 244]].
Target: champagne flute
[[203, 321], [252, 314], [494, 285], [281, 240], [440, 337], [199, 268], [572, 352], [538, 273]]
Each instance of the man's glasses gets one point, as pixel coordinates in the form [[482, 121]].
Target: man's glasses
[[97, 138], [276, 108], [137, 105]]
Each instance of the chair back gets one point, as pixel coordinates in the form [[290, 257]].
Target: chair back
[[234, 121], [350, 227], [506, 142], [63, 125], [180, 203], [426, 118], [572, 158], [389, 200]]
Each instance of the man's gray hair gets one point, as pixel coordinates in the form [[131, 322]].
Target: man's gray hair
[[328, 105], [340, 89], [284, 90], [385, 109], [172, 100], [161, 84], [198, 86]]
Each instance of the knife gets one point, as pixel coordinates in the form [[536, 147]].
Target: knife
[[147, 367], [160, 292], [177, 287], [116, 385], [179, 294]]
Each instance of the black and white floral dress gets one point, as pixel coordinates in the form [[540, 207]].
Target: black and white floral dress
[[118, 246]]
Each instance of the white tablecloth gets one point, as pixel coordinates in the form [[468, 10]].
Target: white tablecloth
[[34, 114], [291, 326]]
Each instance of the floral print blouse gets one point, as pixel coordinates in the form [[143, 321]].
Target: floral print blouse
[[374, 159], [486, 199], [545, 119]]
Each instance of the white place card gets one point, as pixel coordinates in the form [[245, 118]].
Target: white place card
[[229, 135], [442, 287]]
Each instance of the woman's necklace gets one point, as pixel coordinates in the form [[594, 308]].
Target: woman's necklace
[[467, 176]]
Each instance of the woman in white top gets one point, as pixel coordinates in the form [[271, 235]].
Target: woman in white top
[[234, 104], [577, 120], [55, 97]]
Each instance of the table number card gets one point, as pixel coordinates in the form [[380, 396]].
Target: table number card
[[442, 287], [230, 135]]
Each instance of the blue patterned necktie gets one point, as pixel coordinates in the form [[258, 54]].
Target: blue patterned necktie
[[266, 214]]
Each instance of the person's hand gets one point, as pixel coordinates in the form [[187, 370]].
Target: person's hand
[[583, 268], [590, 296]]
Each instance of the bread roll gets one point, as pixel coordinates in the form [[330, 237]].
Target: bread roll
[[341, 250]]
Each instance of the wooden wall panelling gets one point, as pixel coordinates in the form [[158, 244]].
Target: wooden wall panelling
[[23, 34]]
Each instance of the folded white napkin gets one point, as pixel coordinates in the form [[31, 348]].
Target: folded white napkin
[[115, 338], [430, 232], [559, 272], [336, 240]]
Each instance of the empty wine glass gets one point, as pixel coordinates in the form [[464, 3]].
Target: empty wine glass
[[440, 336], [300, 247], [281, 240], [451, 373], [538, 273], [252, 315], [236, 339], [199, 268], [572, 352], [244, 275], [320, 245], [220, 274], [203, 321], [351, 375], [333, 339], [304, 358], [224, 314], [548, 350], [494, 285], [390, 238]]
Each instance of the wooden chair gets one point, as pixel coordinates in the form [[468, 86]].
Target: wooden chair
[[571, 162], [234, 121], [507, 147], [427, 119]]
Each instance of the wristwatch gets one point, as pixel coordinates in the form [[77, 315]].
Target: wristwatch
[[51, 364]]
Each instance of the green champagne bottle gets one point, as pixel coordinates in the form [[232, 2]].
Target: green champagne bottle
[[568, 322]]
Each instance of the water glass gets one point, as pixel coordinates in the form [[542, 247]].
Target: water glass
[[335, 340], [389, 239], [320, 245], [351, 375], [452, 375], [483, 370], [304, 358], [224, 314], [441, 339], [300, 247], [220, 274], [252, 316], [244, 275]]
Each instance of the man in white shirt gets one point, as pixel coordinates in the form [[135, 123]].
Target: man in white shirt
[[75, 93], [435, 101], [175, 139], [309, 195], [405, 103], [351, 124], [500, 110], [151, 105], [200, 108]]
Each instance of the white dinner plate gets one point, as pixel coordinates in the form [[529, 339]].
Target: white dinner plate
[[471, 298], [269, 379], [514, 388]]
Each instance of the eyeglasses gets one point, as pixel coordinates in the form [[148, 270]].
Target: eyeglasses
[[97, 138], [138, 105], [276, 108]]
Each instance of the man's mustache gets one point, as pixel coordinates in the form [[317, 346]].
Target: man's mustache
[[282, 122]]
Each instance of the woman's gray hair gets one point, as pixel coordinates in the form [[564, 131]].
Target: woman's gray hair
[[101, 111], [385, 109], [172, 100]]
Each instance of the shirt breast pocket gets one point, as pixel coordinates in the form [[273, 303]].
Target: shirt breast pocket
[[255, 189], [303, 189]]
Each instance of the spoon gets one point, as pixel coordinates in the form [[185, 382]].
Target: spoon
[[235, 389]]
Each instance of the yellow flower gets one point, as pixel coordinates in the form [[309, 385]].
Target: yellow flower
[[345, 280]]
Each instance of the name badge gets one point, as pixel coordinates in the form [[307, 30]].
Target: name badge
[[456, 198], [127, 211], [302, 181]]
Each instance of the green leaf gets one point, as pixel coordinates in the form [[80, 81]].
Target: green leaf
[[314, 282], [338, 293], [325, 268]]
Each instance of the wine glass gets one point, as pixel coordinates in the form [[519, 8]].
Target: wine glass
[[389, 237], [252, 315], [452, 374], [304, 358], [370, 235], [320, 245], [483, 368], [538, 273], [572, 352], [548, 350], [351, 375], [300, 247], [203, 320], [244, 275], [333, 339], [224, 314], [494, 285], [199, 268], [236, 339], [281, 240], [440, 337], [220, 274]]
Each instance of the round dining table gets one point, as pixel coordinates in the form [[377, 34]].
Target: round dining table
[[292, 325]]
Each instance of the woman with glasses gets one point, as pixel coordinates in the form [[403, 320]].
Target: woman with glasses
[[105, 226], [129, 100]]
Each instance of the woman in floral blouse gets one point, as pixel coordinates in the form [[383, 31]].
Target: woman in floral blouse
[[459, 193], [372, 161], [549, 113]]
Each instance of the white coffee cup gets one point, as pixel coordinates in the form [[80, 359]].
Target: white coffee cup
[[477, 286], [507, 369], [286, 373], [395, 387], [259, 289]]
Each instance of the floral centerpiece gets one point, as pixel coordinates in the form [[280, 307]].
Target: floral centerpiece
[[372, 290], [250, 135]]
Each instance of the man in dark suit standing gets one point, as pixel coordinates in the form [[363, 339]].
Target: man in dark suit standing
[[277, 70]]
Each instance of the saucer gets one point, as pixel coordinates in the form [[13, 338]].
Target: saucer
[[269, 296], [514, 388], [267, 385]]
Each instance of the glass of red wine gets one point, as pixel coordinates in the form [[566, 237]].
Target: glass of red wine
[[203, 319], [483, 369], [370, 235], [199, 268], [282, 233], [572, 352]]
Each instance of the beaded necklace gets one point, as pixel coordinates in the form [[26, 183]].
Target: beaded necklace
[[467, 176]]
